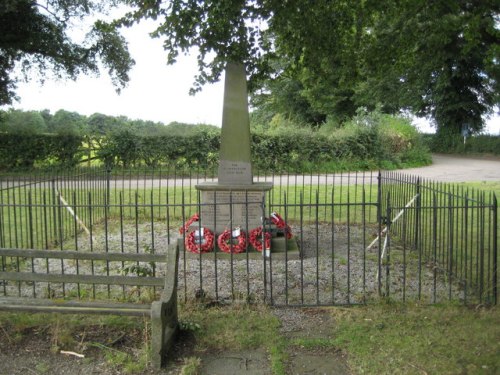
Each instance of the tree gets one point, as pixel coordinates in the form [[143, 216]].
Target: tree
[[440, 59], [220, 31], [24, 123], [34, 35], [68, 123], [435, 58]]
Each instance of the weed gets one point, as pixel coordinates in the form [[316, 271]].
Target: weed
[[42, 368], [189, 326], [278, 356], [191, 366], [130, 363], [62, 336]]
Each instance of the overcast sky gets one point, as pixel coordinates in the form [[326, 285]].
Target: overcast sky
[[155, 92]]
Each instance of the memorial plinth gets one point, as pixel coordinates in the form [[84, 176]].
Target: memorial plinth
[[234, 200], [230, 206]]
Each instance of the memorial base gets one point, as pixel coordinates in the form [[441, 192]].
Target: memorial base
[[225, 206], [280, 250]]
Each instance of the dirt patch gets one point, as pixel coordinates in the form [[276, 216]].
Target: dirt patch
[[251, 362], [316, 362], [311, 325], [38, 351]]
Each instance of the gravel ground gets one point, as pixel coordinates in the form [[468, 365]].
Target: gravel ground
[[327, 270]]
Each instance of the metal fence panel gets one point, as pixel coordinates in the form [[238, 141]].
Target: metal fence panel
[[359, 235]]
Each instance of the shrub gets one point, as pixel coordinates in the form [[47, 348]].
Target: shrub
[[25, 150], [454, 143]]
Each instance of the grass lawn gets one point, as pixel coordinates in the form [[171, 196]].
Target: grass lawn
[[439, 339], [376, 339], [380, 338]]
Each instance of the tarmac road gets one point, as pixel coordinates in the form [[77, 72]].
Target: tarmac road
[[449, 168], [445, 168]]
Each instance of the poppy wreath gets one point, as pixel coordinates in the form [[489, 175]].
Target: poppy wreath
[[277, 220], [224, 242], [188, 223], [255, 239], [205, 247]]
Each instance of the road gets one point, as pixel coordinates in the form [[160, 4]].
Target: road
[[445, 168], [448, 168]]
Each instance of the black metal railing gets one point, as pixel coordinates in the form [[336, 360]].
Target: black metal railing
[[452, 229], [355, 236]]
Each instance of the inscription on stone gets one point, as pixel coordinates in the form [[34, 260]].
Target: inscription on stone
[[234, 168], [220, 208], [234, 172]]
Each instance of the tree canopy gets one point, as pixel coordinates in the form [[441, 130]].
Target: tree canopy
[[310, 60], [34, 35], [439, 59]]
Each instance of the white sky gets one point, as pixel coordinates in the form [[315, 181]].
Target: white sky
[[155, 92]]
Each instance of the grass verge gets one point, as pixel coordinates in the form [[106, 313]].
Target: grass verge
[[382, 338], [438, 339]]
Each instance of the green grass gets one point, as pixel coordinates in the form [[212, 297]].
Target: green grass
[[490, 186], [381, 338], [236, 328], [439, 339]]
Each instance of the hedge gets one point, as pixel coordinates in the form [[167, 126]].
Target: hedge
[[454, 144], [292, 149], [25, 151]]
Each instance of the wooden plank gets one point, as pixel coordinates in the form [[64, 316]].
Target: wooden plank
[[82, 279], [76, 310], [80, 255], [73, 307], [29, 301]]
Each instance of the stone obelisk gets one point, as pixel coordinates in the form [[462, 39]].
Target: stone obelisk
[[235, 166], [234, 200]]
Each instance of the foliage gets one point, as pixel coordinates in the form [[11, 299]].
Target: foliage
[[371, 140], [26, 141], [35, 35], [221, 31], [66, 123], [454, 143], [310, 61], [20, 122], [25, 150], [440, 59]]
